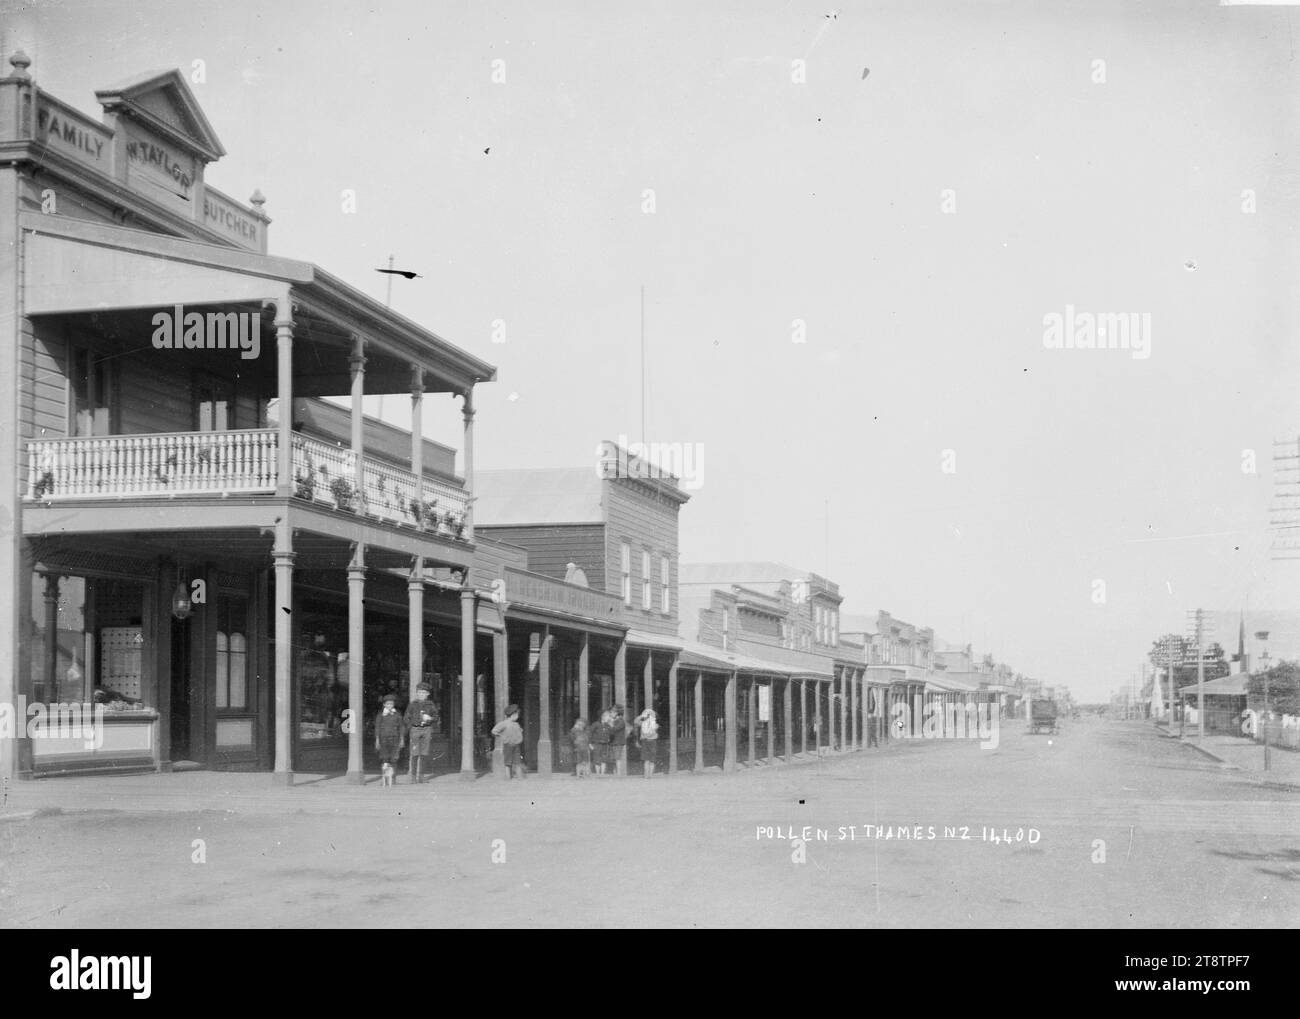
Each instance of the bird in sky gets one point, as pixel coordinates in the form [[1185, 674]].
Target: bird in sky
[[402, 272]]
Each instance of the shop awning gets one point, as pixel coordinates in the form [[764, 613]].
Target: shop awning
[[653, 641], [940, 683], [692, 654], [1226, 686], [714, 659]]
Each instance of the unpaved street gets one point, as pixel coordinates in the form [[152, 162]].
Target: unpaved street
[[1187, 843]]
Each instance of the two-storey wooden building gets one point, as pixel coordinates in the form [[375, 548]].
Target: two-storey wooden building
[[786, 622], [191, 536], [612, 526]]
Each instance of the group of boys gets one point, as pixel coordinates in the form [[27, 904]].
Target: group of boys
[[392, 731]]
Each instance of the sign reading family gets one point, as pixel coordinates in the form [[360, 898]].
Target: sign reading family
[[56, 125], [179, 329]]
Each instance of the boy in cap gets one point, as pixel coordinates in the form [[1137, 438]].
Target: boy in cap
[[420, 718], [511, 736], [390, 736]]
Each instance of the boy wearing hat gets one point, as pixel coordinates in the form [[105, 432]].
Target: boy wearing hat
[[390, 736], [420, 718]]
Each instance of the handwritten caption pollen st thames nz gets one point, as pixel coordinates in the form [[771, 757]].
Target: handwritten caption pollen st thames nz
[[900, 833]]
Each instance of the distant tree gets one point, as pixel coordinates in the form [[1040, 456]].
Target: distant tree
[[1283, 687]]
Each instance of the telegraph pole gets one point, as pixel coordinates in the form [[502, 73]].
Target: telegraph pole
[[1263, 660], [1171, 688], [1200, 673]]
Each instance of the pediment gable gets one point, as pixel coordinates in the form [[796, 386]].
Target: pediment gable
[[163, 101]]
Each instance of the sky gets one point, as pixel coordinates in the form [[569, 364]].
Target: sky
[[849, 266]]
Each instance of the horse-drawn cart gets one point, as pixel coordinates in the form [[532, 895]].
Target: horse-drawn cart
[[1042, 717]]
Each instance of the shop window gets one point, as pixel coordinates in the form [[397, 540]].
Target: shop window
[[117, 652], [87, 641], [121, 662], [322, 683], [232, 653], [62, 645]]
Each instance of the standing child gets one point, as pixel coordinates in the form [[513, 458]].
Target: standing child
[[599, 738], [647, 729], [618, 740], [581, 741], [390, 735], [420, 718], [511, 738]]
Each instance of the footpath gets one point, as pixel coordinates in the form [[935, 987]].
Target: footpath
[[1244, 755], [258, 793]]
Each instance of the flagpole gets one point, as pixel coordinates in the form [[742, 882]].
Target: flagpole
[[388, 303], [644, 438]]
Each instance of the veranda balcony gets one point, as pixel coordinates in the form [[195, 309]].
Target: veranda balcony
[[243, 462]]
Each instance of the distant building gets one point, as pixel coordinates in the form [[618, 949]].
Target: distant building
[[790, 620]]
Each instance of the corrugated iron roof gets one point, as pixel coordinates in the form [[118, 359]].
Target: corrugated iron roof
[[1225, 686]]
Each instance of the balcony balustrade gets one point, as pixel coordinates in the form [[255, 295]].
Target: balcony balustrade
[[244, 462]]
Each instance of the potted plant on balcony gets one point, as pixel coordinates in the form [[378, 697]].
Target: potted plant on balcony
[[168, 468], [344, 494], [382, 490], [45, 483], [305, 483], [423, 513], [458, 526]]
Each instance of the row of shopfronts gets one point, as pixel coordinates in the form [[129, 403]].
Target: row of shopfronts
[[218, 568], [196, 685]]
